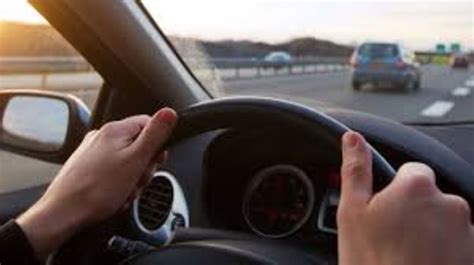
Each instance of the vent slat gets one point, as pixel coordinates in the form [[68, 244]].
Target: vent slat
[[155, 203], [156, 196], [151, 210]]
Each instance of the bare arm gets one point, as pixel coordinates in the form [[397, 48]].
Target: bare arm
[[108, 169]]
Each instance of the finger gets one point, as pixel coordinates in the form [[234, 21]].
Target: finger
[[151, 169], [125, 206], [472, 239], [89, 137], [155, 134], [147, 176], [134, 195], [132, 126], [128, 128], [90, 134], [356, 170], [458, 207], [161, 158], [129, 200], [414, 179]]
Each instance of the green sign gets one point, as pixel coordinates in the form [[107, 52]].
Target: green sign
[[443, 48], [455, 47], [440, 48]]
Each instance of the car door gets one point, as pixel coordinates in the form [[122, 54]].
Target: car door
[[33, 55]]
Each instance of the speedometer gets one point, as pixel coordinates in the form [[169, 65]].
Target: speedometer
[[278, 201]]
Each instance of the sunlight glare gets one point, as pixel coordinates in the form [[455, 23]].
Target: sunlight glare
[[19, 11]]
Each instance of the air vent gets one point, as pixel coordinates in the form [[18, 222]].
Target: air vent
[[155, 203], [160, 209]]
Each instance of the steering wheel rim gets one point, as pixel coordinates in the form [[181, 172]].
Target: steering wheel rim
[[249, 112]]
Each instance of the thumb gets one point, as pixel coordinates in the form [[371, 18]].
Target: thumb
[[356, 170], [155, 133]]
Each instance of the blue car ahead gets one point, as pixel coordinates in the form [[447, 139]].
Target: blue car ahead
[[385, 64]]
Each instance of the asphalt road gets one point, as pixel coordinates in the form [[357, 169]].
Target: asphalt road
[[445, 95]]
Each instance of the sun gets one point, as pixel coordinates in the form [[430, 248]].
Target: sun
[[19, 11]]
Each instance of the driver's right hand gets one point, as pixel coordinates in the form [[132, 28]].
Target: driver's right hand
[[409, 222]]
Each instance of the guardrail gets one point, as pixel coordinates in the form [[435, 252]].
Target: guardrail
[[254, 62], [262, 67], [43, 65]]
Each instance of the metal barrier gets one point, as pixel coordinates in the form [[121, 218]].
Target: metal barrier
[[51, 65], [43, 65], [261, 67], [254, 62]]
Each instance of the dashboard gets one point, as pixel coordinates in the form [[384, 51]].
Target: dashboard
[[264, 183], [280, 184], [270, 183]]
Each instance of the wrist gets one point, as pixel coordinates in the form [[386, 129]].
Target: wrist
[[47, 225], [357, 256]]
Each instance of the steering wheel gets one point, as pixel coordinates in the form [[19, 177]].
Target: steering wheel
[[250, 113]]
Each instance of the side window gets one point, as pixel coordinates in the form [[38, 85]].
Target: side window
[[33, 55]]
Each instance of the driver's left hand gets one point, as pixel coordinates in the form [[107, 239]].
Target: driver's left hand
[[107, 170]]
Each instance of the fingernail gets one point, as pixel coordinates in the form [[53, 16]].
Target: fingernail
[[167, 115], [350, 140]]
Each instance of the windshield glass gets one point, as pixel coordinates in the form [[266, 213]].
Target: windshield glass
[[376, 50], [392, 59]]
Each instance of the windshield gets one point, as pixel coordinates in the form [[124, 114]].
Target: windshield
[[391, 59], [377, 51]]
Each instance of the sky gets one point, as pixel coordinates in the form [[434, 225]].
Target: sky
[[20, 11], [417, 24]]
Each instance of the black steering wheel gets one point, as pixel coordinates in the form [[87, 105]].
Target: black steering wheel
[[250, 113]]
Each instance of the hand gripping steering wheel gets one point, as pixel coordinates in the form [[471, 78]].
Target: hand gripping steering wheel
[[250, 113]]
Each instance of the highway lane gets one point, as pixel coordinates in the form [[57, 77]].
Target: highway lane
[[446, 95], [333, 90], [320, 89]]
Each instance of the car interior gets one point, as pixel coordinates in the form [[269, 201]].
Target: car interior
[[218, 199]]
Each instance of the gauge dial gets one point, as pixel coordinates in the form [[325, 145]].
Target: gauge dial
[[278, 201]]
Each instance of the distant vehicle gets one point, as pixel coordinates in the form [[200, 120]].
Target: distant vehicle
[[385, 63], [278, 59], [459, 61]]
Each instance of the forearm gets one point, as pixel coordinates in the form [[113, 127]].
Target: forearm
[[95, 182], [47, 225]]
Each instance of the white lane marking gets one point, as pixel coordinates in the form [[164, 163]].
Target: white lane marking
[[438, 109], [461, 91], [469, 83]]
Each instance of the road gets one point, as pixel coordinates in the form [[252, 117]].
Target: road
[[445, 95]]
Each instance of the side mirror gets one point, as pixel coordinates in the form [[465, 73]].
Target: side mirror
[[42, 125]]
